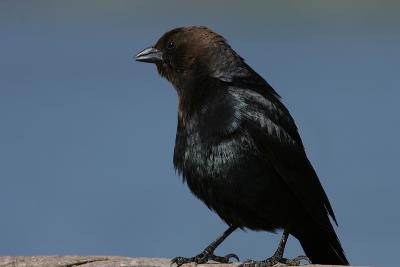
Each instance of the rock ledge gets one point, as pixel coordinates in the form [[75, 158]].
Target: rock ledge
[[99, 261]]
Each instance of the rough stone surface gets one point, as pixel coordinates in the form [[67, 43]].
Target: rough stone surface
[[98, 261]]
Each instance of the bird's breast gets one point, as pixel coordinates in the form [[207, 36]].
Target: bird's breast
[[199, 157], [205, 162], [225, 174]]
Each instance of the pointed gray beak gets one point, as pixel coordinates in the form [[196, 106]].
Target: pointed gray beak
[[149, 55]]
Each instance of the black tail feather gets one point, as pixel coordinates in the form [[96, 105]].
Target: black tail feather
[[321, 246]]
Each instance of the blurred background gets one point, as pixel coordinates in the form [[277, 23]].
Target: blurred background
[[87, 134]]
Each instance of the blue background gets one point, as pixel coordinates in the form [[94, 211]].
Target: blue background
[[87, 134]]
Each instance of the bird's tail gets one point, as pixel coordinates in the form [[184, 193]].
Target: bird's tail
[[321, 246]]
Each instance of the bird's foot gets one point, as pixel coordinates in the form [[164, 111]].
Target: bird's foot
[[275, 260], [204, 257]]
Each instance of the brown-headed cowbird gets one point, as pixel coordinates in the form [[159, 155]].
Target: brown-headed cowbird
[[238, 148]]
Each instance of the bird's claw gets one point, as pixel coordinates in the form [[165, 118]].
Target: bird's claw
[[275, 260], [295, 261], [203, 258], [224, 259], [180, 260]]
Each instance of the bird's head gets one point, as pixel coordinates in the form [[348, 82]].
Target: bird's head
[[188, 53]]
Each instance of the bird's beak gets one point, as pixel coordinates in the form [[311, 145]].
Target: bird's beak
[[149, 55]]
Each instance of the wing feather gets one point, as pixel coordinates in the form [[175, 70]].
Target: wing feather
[[272, 128]]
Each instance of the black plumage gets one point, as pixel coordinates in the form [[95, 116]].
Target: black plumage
[[237, 146]]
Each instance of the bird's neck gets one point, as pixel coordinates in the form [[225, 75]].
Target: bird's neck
[[193, 96]]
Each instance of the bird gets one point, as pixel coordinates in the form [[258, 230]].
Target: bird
[[239, 150]]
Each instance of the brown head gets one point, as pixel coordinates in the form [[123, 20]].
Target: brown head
[[188, 53]]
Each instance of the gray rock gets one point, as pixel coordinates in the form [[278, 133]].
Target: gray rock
[[99, 261]]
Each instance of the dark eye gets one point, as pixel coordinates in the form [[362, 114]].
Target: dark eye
[[170, 45]]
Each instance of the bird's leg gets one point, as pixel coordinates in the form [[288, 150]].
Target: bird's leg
[[277, 257], [208, 252]]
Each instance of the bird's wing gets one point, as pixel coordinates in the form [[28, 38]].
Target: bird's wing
[[273, 130]]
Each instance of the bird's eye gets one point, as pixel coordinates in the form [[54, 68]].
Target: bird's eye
[[171, 45]]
